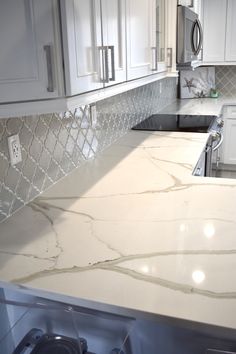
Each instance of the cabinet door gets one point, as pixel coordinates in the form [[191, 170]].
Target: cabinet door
[[230, 53], [139, 44], [194, 5], [229, 148], [113, 33], [214, 22], [171, 25], [28, 54], [82, 44], [158, 35]]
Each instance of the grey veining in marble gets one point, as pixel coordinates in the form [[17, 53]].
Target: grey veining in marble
[[154, 237]]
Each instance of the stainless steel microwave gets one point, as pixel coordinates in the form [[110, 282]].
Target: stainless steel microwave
[[189, 36]]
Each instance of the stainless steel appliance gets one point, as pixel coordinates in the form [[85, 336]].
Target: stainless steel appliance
[[204, 166], [212, 148], [189, 36], [190, 123], [38, 342], [32, 325]]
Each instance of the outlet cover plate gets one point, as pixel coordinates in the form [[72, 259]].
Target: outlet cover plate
[[14, 149]]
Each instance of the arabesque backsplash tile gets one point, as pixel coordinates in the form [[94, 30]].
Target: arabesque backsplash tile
[[226, 80], [53, 145]]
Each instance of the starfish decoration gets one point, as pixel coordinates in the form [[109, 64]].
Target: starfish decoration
[[189, 84]]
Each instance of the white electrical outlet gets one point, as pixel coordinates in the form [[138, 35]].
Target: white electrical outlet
[[14, 149]]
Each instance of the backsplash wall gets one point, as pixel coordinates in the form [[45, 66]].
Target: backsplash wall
[[226, 80], [53, 145]]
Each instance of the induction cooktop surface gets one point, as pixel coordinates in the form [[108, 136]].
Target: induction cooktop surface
[[173, 122]]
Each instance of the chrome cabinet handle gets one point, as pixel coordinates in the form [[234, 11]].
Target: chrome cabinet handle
[[113, 72], [170, 57], [49, 54], [101, 63], [155, 66], [105, 77], [105, 65]]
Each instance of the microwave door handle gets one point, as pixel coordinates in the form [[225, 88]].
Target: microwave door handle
[[194, 49], [200, 31]]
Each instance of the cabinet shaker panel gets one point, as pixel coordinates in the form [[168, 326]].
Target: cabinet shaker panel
[[230, 50], [82, 45], [139, 44], [214, 22], [28, 51]]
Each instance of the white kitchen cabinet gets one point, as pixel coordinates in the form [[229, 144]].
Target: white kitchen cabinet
[[158, 35], [219, 31], [81, 46], [171, 25], [113, 34], [82, 43], [214, 23], [228, 151], [94, 44], [229, 147], [194, 5], [230, 49], [139, 45], [198, 8], [29, 59], [146, 37], [189, 3]]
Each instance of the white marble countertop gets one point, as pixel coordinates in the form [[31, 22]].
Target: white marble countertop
[[199, 106], [135, 229]]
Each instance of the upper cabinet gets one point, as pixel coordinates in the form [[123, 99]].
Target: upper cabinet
[[194, 5], [171, 25], [230, 49], [139, 44], [214, 23], [158, 35], [114, 40], [29, 60], [58, 48], [146, 37], [94, 44], [82, 53], [219, 31]]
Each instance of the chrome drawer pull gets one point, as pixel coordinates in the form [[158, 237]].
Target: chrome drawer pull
[[49, 50]]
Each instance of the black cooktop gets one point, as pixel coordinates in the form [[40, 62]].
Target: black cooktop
[[177, 123]]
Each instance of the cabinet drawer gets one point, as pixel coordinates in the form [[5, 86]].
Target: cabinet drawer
[[230, 112]]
